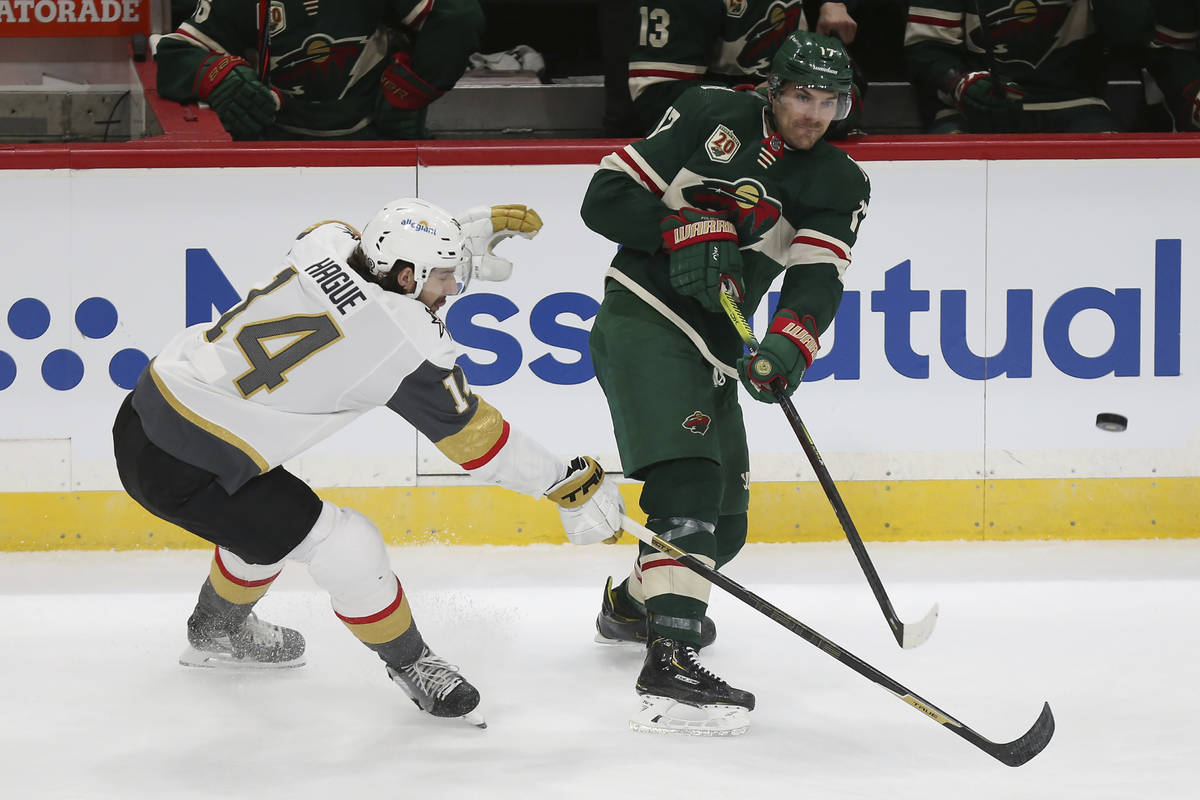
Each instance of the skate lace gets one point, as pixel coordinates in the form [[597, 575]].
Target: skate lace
[[433, 675], [259, 632], [694, 659]]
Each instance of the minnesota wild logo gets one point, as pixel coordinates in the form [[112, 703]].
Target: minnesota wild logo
[[697, 423], [764, 38], [750, 208], [1024, 31]]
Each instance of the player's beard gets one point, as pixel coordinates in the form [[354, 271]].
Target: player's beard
[[798, 132], [803, 137], [803, 133]]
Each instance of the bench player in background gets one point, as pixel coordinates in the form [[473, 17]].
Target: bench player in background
[[994, 66], [683, 43], [1174, 59], [350, 69], [348, 324], [732, 189]]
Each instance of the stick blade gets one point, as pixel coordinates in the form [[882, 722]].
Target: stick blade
[[914, 634], [1018, 751]]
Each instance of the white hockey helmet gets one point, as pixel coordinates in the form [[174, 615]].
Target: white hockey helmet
[[419, 233]]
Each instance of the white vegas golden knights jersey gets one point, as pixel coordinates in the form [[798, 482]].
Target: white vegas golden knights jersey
[[308, 352]]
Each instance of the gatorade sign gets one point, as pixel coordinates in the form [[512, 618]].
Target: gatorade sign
[[26, 18]]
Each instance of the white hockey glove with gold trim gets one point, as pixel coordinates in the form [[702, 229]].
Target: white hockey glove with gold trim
[[590, 505], [487, 226]]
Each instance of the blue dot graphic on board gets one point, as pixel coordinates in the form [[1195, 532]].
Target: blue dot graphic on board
[[28, 318], [96, 318], [8, 370], [62, 370], [126, 366]]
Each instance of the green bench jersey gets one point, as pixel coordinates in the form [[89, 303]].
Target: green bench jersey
[[727, 42], [795, 210], [1175, 58], [326, 55], [1053, 49]]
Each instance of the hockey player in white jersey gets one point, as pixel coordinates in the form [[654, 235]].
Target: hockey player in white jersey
[[348, 324]]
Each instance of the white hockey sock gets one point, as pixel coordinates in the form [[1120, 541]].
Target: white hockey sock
[[346, 556]]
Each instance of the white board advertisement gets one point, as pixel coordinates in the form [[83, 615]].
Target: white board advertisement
[[991, 311]]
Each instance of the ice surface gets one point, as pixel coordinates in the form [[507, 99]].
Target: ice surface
[[95, 705]]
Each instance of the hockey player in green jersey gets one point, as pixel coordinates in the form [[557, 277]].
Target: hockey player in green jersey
[[681, 43], [1036, 66], [324, 69], [732, 189], [1174, 59]]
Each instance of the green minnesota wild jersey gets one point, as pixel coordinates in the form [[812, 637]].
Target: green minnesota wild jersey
[[1052, 49], [1174, 58], [720, 41], [326, 56], [795, 210]]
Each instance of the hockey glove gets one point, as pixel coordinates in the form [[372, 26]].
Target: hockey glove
[[398, 123], [244, 104], [783, 355], [404, 89], [589, 504], [487, 226], [705, 260], [986, 109], [1189, 119]]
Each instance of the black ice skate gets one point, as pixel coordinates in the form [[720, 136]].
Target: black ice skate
[[437, 688], [254, 644], [613, 627], [680, 696]]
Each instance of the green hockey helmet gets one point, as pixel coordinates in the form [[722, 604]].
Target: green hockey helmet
[[813, 61]]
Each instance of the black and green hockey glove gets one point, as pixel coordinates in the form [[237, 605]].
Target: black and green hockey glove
[[400, 123], [783, 355], [988, 106], [243, 103], [705, 260]]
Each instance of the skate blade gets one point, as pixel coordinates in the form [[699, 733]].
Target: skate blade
[[191, 657], [474, 718], [600, 638], [667, 716]]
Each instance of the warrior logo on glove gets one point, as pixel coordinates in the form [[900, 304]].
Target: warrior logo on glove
[[704, 257]]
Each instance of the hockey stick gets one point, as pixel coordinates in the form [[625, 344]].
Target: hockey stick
[[263, 67], [907, 635], [1014, 753]]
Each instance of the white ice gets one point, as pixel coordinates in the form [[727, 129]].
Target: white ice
[[95, 706]]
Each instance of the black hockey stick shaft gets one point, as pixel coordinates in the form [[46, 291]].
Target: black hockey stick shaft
[[985, 39], [906, 635], [1014, 753], [264, 42], [843, 516]]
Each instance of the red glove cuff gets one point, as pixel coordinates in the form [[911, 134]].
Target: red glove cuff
[[1191, 96], [798, 331], [213, 70], [405, 89], [966, 80], [708, 229]]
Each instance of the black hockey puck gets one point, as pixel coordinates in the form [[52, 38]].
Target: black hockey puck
[[1111, 422]]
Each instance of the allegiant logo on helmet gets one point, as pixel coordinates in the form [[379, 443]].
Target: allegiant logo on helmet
[[419, 225]]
